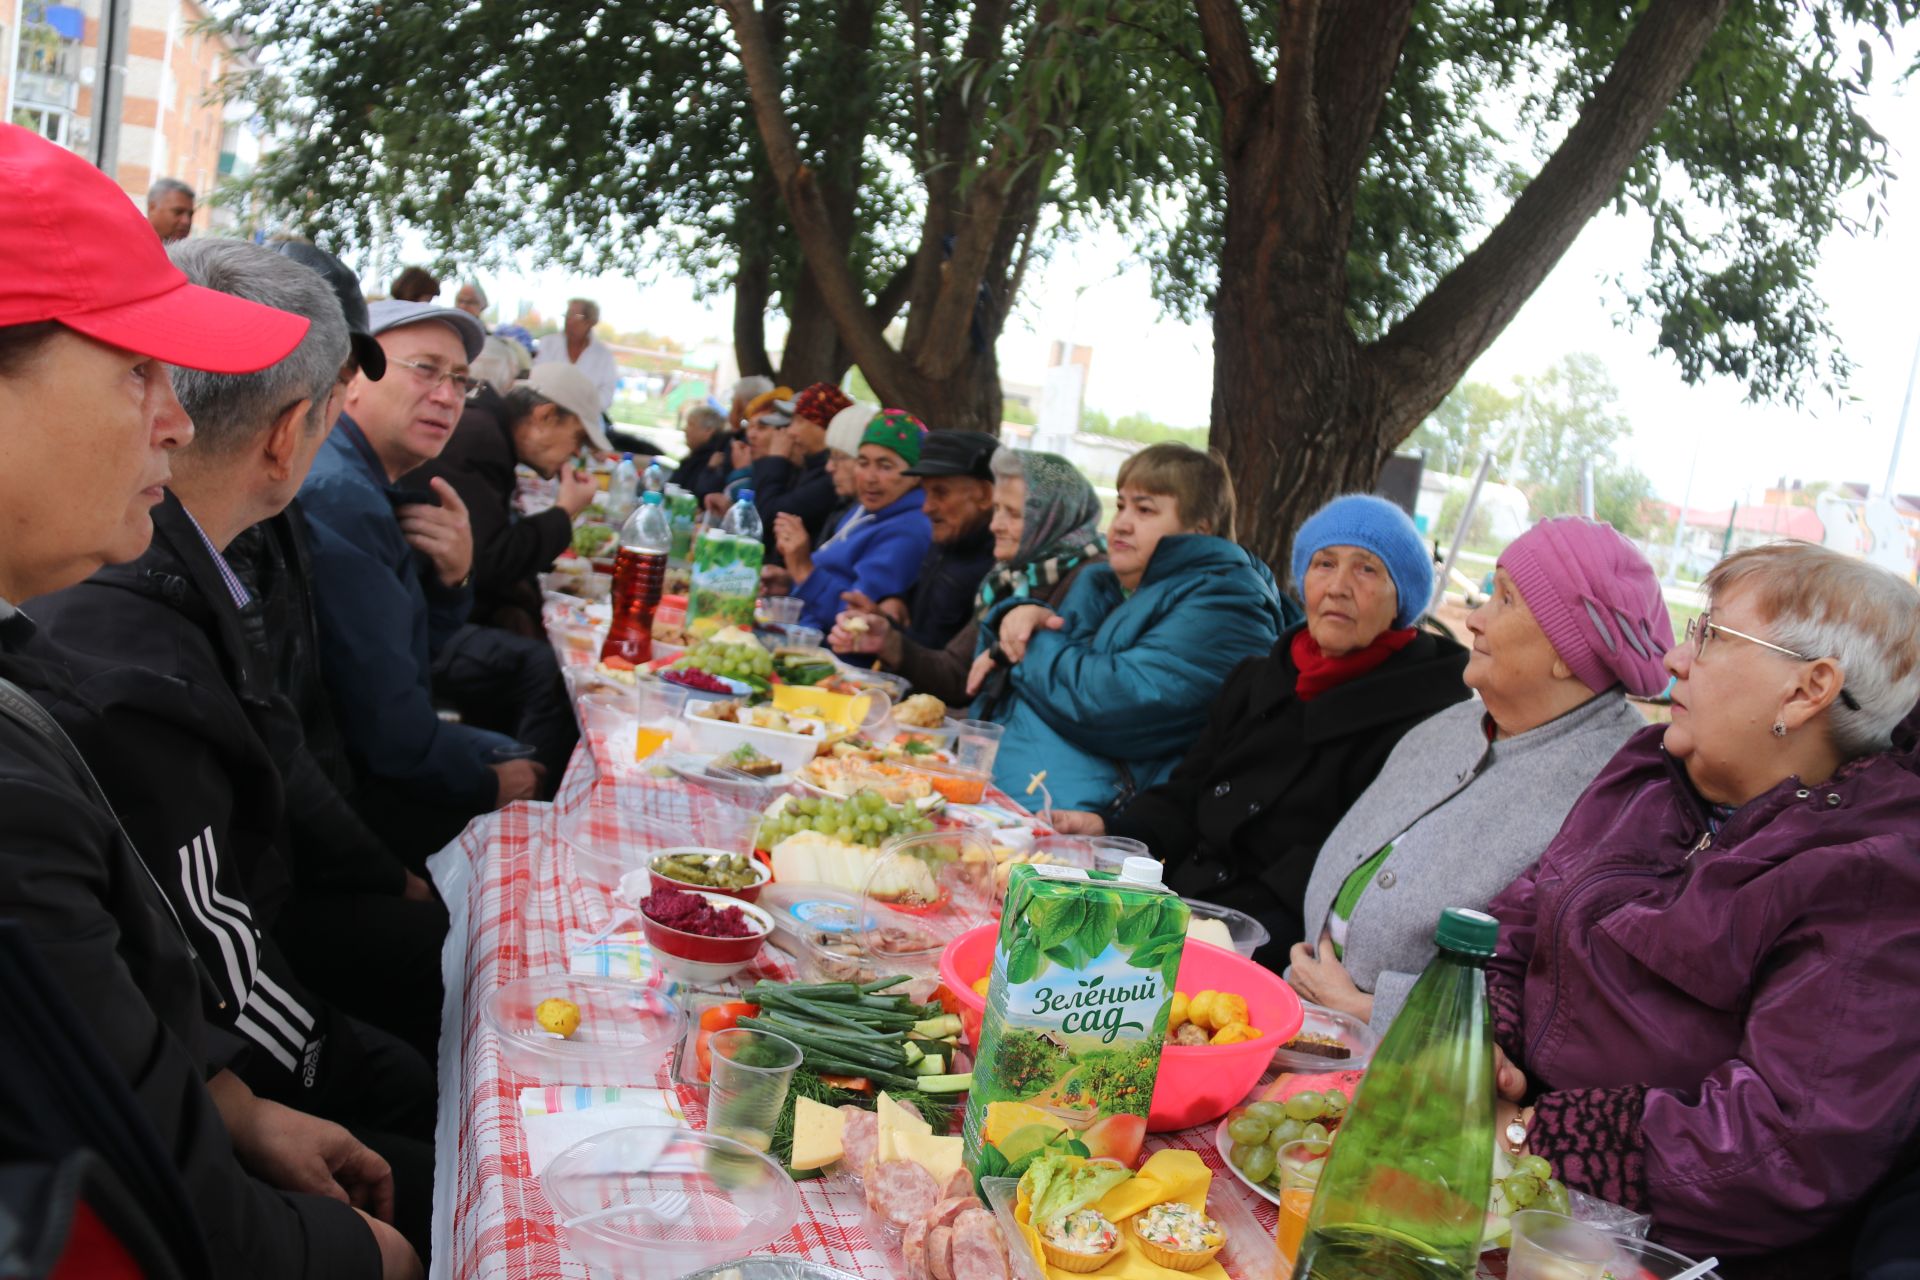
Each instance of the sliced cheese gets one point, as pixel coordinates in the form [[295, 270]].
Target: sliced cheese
[[817, 1130], [894, 1120], [939, 1156]]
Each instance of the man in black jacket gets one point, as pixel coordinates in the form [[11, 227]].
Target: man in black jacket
[[792, 481], [956, 473], [176, 717], [705, 467], [541, 423], [89, 310]]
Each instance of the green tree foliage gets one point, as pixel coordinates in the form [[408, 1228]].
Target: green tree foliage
[[1543, 434]]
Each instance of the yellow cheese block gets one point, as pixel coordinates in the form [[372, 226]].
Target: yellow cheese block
[[939, 1156], [895, 1119], [816, 1134]]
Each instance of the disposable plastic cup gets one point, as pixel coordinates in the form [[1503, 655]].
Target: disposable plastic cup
[[1110, 853], [751, 1073], [785, 610], [1299, 1164], [1552, 1246], [662, 707], [977, 745]]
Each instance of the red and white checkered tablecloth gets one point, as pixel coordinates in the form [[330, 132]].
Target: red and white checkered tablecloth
[[517, 883]]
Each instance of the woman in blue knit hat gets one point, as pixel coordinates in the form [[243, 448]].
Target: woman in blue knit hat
[[1297, 735]]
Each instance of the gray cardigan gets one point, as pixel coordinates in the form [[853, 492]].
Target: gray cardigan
[[1465, 816]]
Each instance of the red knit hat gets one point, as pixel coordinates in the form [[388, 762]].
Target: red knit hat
[[819, 402], [73, 248]]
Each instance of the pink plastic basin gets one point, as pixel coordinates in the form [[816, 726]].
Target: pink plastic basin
[[1197, 1083]]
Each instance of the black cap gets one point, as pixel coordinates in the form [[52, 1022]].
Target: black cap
[[956, 453], [346, 287]]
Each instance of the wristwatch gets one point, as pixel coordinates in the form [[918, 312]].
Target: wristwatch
[[1516, 1130]]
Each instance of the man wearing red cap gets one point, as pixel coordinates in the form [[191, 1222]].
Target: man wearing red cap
[[91, 315]]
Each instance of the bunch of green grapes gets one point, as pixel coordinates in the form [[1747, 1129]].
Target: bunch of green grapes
[[734, 661], [1263, 1128], [863, 818], [1531, 1185]]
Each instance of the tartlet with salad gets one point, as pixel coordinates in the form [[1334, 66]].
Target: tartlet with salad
[[1081, 1241], [1178, 1236]]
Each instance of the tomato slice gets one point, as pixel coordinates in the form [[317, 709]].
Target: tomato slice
[[722, 1016], [853, 1084], [703, 1054]]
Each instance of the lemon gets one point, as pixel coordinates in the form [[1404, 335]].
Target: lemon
[[562, 1017]]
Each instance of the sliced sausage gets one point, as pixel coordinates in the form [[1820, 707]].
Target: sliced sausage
[[859, 1138], [960, 1184], [979, 1250], [940, 1253], [901, 1192], [913, 1244], [951, 1207]]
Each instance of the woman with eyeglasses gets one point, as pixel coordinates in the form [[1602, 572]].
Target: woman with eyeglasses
[[1705, 988]]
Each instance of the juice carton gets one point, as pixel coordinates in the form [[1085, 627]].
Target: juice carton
[[726, 582], [1077, 1009]]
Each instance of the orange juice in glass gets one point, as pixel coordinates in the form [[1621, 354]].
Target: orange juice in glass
[[1298, 1164], [661, 708]]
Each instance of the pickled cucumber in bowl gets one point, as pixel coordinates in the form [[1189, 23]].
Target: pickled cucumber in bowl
[[708, 870]]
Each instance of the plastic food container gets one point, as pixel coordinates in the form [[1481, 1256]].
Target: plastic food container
[[1636, 1259], [1197, 1083], [1249, 1253], [701, 959], [800, 910], [1348, 1030], [1248, 934], [711, 737], [625, 1031], [961, 786], [651, 1201]]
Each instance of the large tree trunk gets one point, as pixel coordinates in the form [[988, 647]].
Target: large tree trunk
[[752, 289], [1302, 411]]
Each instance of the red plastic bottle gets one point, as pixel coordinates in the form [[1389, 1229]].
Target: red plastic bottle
[[639, 574]]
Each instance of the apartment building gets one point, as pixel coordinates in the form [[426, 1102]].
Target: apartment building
[[168, 122]]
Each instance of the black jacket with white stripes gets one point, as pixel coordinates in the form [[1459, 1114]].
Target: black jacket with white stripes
[[169, 708], [110, 939]]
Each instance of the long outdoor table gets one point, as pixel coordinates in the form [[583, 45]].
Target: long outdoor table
[[515, 891]]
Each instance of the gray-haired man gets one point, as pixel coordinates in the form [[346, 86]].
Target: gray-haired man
[[170, 209]]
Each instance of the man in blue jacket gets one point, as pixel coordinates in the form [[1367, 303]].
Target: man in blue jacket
[[392, 576]]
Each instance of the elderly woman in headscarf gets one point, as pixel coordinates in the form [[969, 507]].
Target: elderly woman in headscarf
[[1574, 623], [1046, 529], [1704, 989], [1299, 730]]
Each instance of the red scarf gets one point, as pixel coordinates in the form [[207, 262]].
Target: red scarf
[[1319, 673]]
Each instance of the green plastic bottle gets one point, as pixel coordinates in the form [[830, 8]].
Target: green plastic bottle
[[1404, 1193]]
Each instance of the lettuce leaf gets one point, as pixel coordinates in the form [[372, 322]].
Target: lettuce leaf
[[1058, 1183]]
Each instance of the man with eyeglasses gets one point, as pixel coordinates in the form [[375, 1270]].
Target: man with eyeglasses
[[391, 581]]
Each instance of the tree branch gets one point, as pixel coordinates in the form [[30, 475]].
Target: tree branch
[[1416, 363], [1230, 64], [1353, 68], [825, 250]]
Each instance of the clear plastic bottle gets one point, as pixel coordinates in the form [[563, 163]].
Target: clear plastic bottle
[[639, 573], [654, 479], [743, 519], [1403, 1195], [623, 491]]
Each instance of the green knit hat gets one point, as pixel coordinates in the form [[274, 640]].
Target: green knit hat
[[898, 430]]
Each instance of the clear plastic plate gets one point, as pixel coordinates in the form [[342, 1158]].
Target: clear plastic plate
[[650, 1201], [625, 1031]]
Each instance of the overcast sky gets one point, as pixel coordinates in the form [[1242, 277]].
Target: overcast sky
[[1147, 363]]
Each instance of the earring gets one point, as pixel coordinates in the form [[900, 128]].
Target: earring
[[1779, 728]]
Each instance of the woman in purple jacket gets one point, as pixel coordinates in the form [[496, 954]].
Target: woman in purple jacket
[[1706, 988], [878, 548]]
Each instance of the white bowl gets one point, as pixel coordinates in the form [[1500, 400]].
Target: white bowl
[[717, 737]]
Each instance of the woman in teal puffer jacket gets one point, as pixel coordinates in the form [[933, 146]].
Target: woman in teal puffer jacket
[[1106, 694]]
